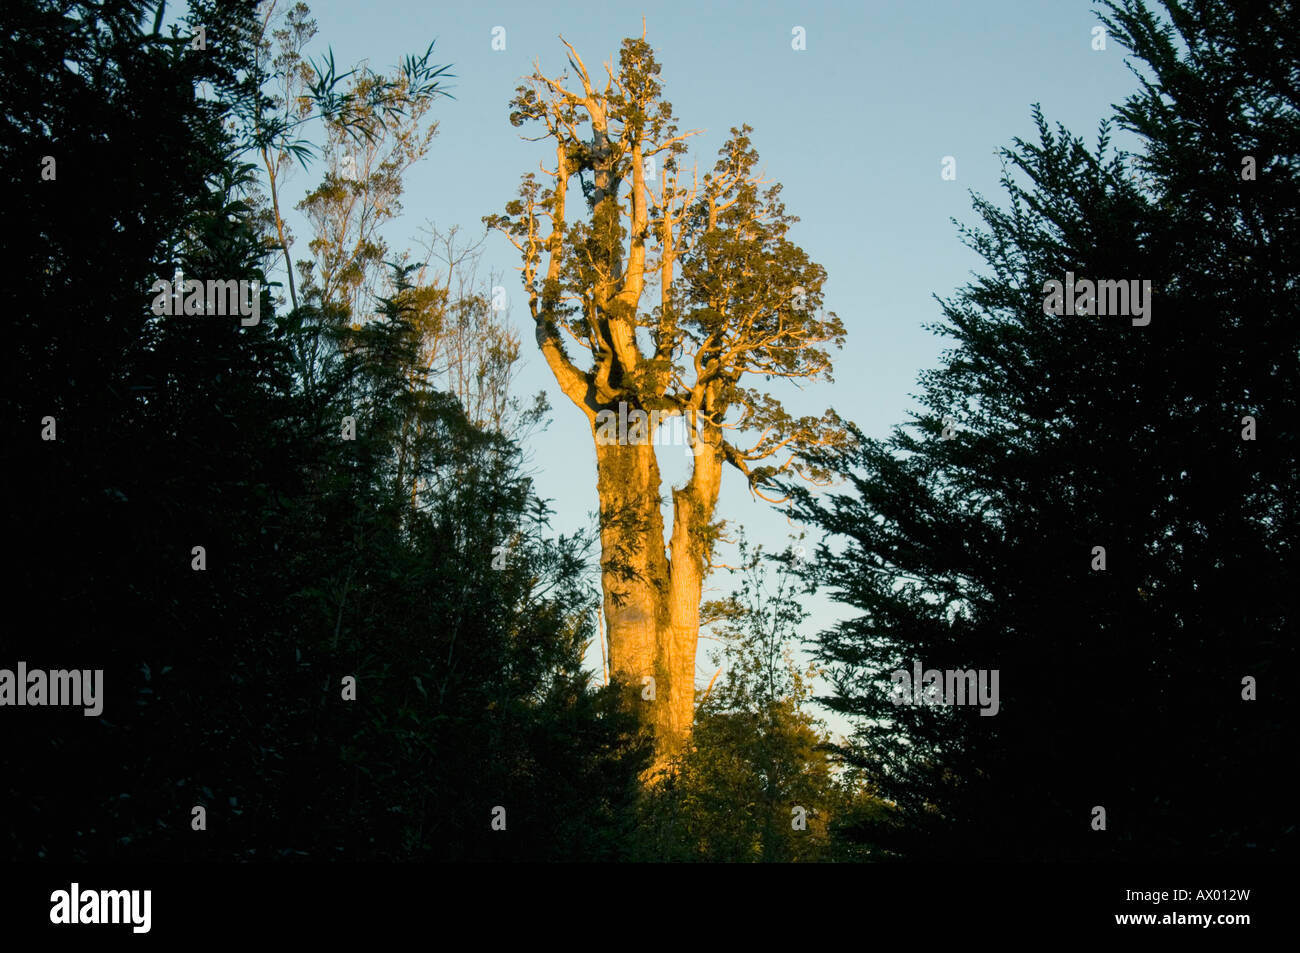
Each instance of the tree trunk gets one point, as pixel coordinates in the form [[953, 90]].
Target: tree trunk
[[693, 507], [634, 569], [652, 605]]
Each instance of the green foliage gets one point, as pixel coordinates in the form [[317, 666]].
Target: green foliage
[[740, 298]]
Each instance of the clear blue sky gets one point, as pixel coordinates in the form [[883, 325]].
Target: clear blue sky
[[855, 127]]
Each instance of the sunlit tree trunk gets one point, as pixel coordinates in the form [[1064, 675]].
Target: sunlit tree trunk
[[743, 301]]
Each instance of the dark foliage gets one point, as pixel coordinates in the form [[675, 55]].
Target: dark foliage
[[325, 557], [1120, 688]]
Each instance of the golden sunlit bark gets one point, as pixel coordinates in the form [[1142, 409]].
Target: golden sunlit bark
[[589, 293]]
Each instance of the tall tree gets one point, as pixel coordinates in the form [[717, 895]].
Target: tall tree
[[734, 297], [1099, 507]]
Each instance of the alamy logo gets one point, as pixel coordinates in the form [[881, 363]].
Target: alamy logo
[[1100, 298], [947, 687], [638, 427], [102, 906], [243, 298], [59, 687]]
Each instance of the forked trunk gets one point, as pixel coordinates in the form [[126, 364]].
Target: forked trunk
[[652, 604]]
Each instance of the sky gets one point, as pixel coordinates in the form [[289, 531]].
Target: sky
[[855, 126]]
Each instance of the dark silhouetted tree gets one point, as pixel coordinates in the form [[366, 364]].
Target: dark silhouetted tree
[[968, 539]]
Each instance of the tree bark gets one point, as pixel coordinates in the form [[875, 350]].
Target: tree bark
[[652, 597], [693, 507], [634, 569]]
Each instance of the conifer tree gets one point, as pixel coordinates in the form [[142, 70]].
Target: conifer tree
[[1100, 507]]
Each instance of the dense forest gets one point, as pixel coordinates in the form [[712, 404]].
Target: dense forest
[[275, 489]]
